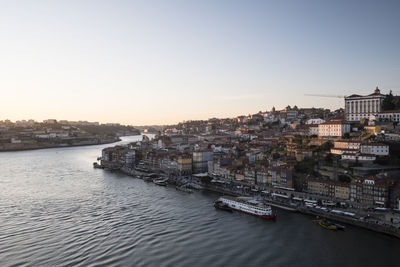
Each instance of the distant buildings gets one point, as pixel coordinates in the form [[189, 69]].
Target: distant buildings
[[376, 149], [346, 146], [355, 150], [359, 107], [389, 115]]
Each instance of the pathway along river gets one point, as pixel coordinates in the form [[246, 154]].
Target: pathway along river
[[56, 210]]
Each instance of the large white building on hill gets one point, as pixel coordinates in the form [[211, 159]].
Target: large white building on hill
[[359, 107]]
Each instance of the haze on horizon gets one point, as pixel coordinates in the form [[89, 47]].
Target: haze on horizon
[[161, 62]]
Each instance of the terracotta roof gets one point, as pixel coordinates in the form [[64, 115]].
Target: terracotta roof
[[391, 111], [354, 95], [333, 122], [348, 141]]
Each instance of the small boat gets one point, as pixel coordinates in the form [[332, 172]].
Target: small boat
[[160, 181], [184, 189], [326, 224], [222, 206], [339, 226], [96, 165], [147, 179]]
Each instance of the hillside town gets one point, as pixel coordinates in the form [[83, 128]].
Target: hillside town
[[348, 158], [29, 134]]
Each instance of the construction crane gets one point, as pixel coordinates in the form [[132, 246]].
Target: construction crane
[[321, 95]]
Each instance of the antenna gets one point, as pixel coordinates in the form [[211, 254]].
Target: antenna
[[323, 95]]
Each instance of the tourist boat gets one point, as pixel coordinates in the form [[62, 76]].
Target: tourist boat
[[160, 181], [246, 205]]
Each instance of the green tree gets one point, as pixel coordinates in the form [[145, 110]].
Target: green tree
[[388, 102]]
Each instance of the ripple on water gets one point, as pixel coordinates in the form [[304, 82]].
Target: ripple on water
[[55, 210]]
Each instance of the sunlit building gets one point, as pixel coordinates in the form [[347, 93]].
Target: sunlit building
[[359, 107]]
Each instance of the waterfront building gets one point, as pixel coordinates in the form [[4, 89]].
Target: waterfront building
[[342, 191], [185, 164], [262, 176], [328, 188], [318, 186], [280, 176], [359, 107], [200, 161], [371, 192]]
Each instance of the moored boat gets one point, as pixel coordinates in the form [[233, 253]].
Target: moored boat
[[220, 205], [339, 226], [184, 189], [160, 181], [246, 205], [96, 165], [327, 224]]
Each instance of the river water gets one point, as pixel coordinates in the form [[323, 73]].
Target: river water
[[56, 210]]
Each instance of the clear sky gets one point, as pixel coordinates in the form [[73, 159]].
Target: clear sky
[[159, 62]]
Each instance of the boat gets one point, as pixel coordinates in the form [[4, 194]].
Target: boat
[[219, 205], [184, 189], [327, 224], [160, 181], [96, 165], [339, 226], [247, 205], [147, 178]]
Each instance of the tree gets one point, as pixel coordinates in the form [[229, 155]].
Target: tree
[[329, 158], [388, 102], [306, 166], [327, 146]]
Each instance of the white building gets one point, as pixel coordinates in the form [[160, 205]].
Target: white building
[[389, 115], [312, 129], [375, 149], [359, 107], [346, 146], [333, 129], [50, 121], [358, 157], [315, 121]]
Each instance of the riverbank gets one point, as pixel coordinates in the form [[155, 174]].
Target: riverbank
[[37, 146], [376, 226]]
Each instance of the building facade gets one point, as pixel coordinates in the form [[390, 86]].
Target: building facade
[[376, 149], [389, 115], [333, 129], [359, 107]]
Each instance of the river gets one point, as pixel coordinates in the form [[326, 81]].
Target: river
[[57, 210]]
